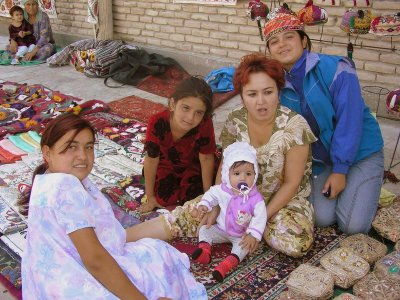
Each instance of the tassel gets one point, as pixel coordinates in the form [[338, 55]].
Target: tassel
[[350, 50]]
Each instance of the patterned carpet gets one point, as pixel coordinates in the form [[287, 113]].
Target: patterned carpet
[[261, 275], [10, 270], [136, 108]]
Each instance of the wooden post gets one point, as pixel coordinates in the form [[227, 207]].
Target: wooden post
[[106, 24]]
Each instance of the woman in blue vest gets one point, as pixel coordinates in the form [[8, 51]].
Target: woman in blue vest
[[348, 160]]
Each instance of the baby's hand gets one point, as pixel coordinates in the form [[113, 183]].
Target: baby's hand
[[249, 242], [21, 34], [199, 212]]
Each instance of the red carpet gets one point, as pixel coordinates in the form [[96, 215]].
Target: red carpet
[[134, 107], [163, 85]]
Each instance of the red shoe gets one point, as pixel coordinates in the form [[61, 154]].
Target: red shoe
[[202, 254], [225, 267]]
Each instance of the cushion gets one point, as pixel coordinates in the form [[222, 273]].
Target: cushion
[[309, 282], [387, 222], [371, 287], [345, 266], [364, 246], [389, 266]]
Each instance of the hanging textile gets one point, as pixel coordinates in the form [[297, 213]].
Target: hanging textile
[[93, 12]]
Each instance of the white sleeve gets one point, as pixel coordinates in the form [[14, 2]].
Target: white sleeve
[[259, 221], [211, 197]]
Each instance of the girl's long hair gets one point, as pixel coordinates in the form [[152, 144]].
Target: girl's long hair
[[54, 131]]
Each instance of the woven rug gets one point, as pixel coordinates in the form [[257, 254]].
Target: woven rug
[[10, 270], [261, 275], [163, 85], [137, 108]]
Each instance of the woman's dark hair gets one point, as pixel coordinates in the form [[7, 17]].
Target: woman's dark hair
[[194, 87], [302, 34], [14, 9], [258, 63], [53, 132]]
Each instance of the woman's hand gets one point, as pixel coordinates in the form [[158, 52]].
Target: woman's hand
[[13, 46], [149, 205], [336, 182], [209, 219], [249, 242], [30, 55]]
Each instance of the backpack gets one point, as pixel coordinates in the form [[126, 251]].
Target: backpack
[[135, 64]]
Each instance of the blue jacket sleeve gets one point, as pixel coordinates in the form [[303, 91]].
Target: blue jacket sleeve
[[349, 106]]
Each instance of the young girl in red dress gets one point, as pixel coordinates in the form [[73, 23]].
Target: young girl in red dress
[[180, 147]]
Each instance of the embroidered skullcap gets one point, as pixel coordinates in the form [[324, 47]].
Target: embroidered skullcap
[[282, 22], [238, 151]]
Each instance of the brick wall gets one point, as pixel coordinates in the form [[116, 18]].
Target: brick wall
[[226, 32]]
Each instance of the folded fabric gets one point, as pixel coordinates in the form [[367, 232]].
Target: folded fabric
[[29, 140], [20, 143], [8, 156], [36, 136]]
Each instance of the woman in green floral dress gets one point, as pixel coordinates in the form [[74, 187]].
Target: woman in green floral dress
[[282, 139]]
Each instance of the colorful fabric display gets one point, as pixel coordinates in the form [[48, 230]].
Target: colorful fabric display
[[7, 145], [20, 143], [29, 140], [8, 115], [7, 157], [36, 136]]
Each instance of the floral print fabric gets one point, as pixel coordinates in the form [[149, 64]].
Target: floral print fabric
[[178, 176], [52, 268]]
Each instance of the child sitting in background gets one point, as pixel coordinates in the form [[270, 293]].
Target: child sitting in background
[[243, 214], [21, 31]]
